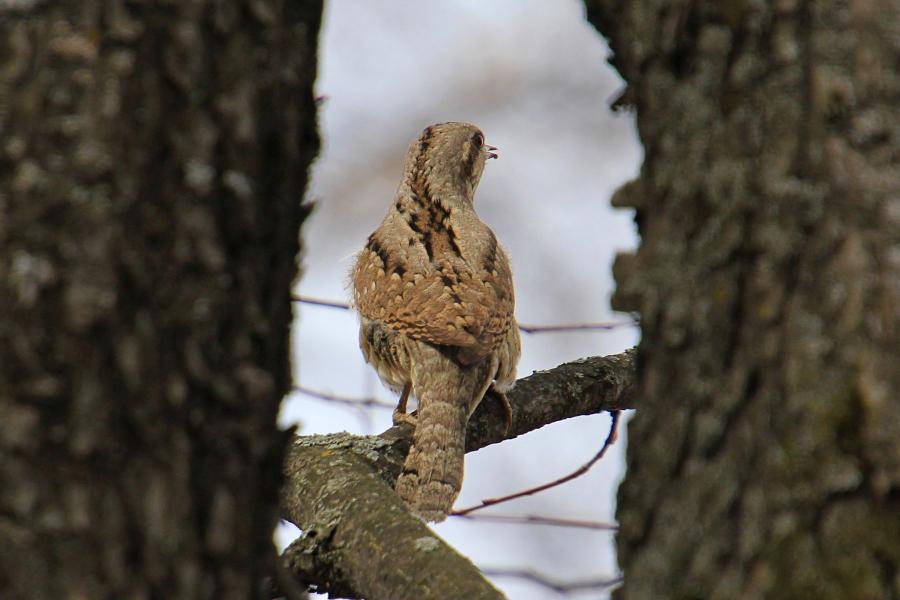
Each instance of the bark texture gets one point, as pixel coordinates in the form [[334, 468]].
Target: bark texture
[[360, 541], [153, 158], [765, 459]]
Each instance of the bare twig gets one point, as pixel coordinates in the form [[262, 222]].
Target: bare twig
[[318, 302], [541, 520], [358, 402], [561, 587], [610, 439], [524, 327]]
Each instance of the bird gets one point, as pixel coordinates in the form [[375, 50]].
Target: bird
[[434, 292]]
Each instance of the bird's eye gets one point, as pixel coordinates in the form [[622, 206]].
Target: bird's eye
[[478, 139]]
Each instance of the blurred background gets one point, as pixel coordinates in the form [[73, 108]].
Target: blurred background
[[533, 76]]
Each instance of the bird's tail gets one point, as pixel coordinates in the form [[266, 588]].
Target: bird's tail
[[433, 472]]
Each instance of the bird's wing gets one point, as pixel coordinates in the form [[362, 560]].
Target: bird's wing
[[450, 304]]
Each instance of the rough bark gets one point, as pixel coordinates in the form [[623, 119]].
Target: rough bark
[[153, 157], [339, 491], [765, 459]]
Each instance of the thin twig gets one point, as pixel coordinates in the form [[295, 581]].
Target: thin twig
[[610, 439], [541, 520], [561, 587], [524, 327], [358, 402], [318, 302]]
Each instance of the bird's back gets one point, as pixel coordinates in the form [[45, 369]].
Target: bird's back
[[445, 281]]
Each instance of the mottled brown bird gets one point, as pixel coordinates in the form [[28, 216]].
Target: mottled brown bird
[[434, 292]]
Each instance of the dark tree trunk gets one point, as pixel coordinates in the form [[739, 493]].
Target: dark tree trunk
[[764, 461], [153, 158]]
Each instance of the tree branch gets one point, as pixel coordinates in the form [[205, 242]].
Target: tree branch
[[610, 440], [360, 541]]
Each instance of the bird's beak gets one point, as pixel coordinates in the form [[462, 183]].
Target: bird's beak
[[491, 151]]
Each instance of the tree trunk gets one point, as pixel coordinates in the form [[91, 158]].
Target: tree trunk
[[764, 461], [153, 158]]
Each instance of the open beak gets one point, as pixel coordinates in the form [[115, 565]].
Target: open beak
[[491, 151]]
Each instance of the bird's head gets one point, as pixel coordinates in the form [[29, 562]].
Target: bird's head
[[450, 157]]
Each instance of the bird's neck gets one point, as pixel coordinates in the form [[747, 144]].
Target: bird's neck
[[431, 211], [423, 187]]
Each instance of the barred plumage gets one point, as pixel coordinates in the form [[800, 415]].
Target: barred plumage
[[434, 291]]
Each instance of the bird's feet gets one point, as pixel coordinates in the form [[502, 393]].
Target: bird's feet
[[505, 405], [400, 416], [405, 418]]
